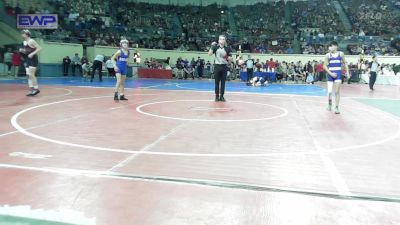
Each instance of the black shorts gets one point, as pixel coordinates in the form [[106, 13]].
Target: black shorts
[[32, 62]]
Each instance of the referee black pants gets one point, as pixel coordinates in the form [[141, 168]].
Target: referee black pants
[[220, 73], [372, 80], [97, 65]]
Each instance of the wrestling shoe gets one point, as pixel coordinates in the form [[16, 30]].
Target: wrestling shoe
[[337, 111], [122, 97]]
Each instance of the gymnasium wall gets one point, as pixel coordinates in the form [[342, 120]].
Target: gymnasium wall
[[5, 39], [174, 55], [9, 36], [53, 53]]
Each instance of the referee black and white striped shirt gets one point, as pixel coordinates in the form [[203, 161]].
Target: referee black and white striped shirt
[[221, 54]]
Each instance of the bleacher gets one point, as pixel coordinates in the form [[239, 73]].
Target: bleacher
[[261, 28], [26, 5], [373, 17], [317, 14], [264, 25]]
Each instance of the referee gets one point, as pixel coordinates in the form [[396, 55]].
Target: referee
[[97, 65], [222, 57], [250, 69]]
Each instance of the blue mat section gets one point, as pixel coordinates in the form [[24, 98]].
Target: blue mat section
[[196, 85]]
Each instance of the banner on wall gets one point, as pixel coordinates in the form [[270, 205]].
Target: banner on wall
[[37, 21]]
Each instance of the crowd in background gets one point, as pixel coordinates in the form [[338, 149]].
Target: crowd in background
[[372, 17], [268, 27], [263, 27], [298, 72], [312, 71], [376, 48], [319, 15], [13, 60]]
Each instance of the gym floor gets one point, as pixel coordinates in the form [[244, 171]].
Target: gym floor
[[171, 155]]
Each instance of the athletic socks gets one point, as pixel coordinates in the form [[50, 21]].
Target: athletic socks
[[337, 111], [330, 105]]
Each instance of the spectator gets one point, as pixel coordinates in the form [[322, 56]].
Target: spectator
[[283, 71], [179, 68], [147, 63], [193, 63], [76, 63], [374, 68], [200, 67], [85, 69], [8, 60], [319, 69], [167, 60], [16, 61], [289, 50], [66, 63], [309, 72], [136, 57], [291, 72], [271, 65], [189, 70], [17, 10], [209, 68], [9, 10], [110, 67], [98, 66]]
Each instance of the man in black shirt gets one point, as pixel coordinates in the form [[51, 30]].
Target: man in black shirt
[[66, 63], [222, 58], [179, 67], [374, 67], [167, 60], [200, 67]]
